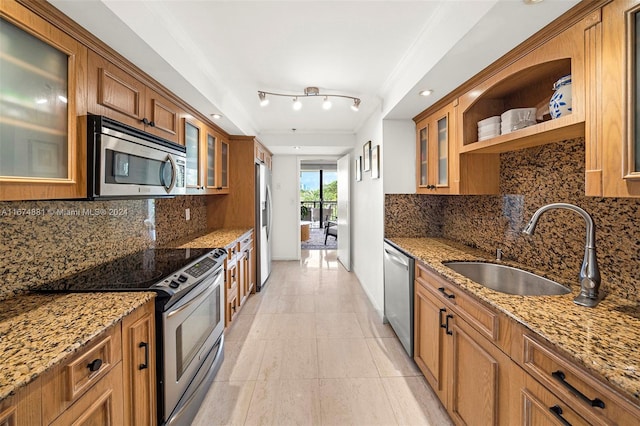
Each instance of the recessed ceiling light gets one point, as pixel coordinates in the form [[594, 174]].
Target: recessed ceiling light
[[216, 116], [426, 92], [532, 1]]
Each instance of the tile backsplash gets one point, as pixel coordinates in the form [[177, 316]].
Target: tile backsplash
[[529, 179], [41, 241]]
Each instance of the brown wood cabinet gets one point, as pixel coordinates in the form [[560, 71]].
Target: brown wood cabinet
[[110, 381], [613, 142], [138, 365], [117, 94], [239, 274], [436, 148], [232, 291], [462, 362], [23, 408], [41, 158], [262, 155], [207, 169]]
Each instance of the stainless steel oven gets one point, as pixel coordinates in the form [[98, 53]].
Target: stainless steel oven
[[124, 162], [189, 317], [193, 342]]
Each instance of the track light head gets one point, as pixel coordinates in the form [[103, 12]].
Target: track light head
[[326, 104], [297, 105], [263, 99], [356, 104]]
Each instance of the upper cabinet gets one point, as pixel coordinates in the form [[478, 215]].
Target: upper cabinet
[[435, 146], [207, 159], [117, 94], [613, 143], [263, 156], [41, 87]]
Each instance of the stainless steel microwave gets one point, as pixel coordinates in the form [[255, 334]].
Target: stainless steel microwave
[[124, 162]]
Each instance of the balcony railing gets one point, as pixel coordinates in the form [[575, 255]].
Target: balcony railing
[[329, 211]]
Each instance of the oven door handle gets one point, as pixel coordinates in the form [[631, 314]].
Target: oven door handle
[[189, 300], [174, 173]]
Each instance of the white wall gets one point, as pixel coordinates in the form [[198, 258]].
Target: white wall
[[399, 159], [286, 210], [367, 218]]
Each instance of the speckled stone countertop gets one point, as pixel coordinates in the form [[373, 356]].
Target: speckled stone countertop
[[210, 239], [604, 339], [37, 331]]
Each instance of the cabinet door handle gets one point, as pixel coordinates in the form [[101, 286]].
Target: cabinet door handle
[[443, 291], [95, 365], [152, 123], [145, 121], [442, 310], [449, 332], [144, 345], [560, 376], [557, 411]]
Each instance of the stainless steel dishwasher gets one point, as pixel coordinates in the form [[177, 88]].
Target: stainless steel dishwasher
[[398, 294]]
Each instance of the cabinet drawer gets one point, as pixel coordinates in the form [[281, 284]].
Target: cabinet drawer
[[475, 313], [71, 379], [541, 407], [101, 405], [593, 400]]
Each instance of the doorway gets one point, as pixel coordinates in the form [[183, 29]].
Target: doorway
[[318, 205]]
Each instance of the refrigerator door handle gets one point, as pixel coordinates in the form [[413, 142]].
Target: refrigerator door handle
[[269, 212]]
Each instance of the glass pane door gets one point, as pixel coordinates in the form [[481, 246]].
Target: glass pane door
[[424, 156], [211, 161], [443, 152], [33, 106], [192, 139], [224, 175]]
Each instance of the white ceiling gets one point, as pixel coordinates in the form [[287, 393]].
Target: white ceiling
[[217, 55]]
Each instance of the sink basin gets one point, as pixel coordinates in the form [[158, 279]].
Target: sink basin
[[507, 279]]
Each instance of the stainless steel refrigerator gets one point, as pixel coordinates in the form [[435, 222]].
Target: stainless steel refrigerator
[[263, 224]]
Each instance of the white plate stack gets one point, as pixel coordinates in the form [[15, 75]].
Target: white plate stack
[[489, 128], [517, 118]]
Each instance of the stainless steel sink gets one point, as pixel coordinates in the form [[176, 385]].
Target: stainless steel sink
[[507, 279]]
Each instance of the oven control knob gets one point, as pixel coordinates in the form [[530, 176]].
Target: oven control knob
[[174, 284], [182, 278]]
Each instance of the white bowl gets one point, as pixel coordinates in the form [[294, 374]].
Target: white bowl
[[491, 120], [518, 115], [491, 133], [491, 128]]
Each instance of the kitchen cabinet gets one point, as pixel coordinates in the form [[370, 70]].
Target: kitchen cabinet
[[613, 142], [435, 148], [458, 349], [262, 155], [239, 274], [231, 285], [554, 381], [42, 84], [118, 94], [23, 408], [245, 266], [207, 170], [138, 364]]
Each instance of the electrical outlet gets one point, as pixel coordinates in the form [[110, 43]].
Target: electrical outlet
[[187, 214]]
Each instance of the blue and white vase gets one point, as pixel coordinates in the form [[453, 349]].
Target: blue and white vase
[[560, 103]]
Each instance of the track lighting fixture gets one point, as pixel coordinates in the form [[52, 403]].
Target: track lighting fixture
[[308, 91]]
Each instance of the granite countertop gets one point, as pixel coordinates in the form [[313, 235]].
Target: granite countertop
[[37, 331], [210, 239], [604, 339]]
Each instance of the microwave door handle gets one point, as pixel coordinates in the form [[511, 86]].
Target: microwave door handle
[[174, 173]]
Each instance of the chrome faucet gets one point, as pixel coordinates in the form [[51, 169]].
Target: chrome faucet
[[589, 272]]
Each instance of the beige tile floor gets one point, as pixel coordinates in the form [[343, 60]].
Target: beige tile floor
[[311, 350]]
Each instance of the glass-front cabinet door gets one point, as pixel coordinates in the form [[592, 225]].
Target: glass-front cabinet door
[[192, 143], [423, 155], [223, 183], [443, 152], [40, 157], [211, 161]]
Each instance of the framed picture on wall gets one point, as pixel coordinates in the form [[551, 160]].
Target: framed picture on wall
[[375, 162], [366, 155], [358, 169]]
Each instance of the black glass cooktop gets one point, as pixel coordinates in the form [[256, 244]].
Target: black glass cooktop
[[135, 272]]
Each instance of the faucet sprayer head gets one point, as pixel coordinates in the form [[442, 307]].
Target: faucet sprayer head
[[530, 228]]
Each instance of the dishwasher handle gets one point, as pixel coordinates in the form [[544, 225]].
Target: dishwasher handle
[[397, 259]]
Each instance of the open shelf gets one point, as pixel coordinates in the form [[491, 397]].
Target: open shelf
[[561, 128], [527, 88]]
